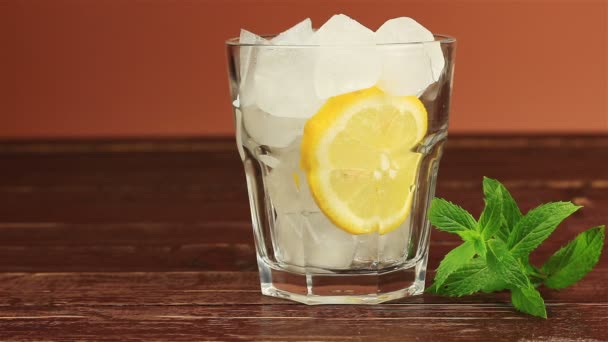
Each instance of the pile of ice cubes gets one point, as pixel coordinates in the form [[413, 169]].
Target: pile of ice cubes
[[284, 81], [304, 236]]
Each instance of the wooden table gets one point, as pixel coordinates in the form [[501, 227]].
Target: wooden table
[[152, 240]]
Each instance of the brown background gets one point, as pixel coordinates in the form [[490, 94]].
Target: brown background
[[157, 67]]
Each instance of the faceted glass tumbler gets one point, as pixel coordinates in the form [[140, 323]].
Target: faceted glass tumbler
[[301, 254]]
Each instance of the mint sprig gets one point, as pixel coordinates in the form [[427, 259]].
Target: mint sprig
[[495, 251]]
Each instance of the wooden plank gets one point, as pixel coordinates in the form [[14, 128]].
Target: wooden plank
[[225, 143], [98, 166], [207, 245], [127, 145], [395, 322], [213, 288], [98, 184], [182, 256], [213, 202], [91, 167], [220, 241]]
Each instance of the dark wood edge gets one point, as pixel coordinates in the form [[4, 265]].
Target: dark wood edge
[[227, 142]]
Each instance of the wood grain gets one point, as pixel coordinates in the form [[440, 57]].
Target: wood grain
[[268, 322], [151, 240], [211, 288], [185, 247]]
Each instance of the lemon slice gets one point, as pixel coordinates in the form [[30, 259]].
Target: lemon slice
[[358, 156]]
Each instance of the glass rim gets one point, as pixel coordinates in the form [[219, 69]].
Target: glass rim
[[441, 38]]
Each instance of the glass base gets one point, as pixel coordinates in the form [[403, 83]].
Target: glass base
[[333, 288]]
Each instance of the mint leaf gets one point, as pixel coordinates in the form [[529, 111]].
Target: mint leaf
[[496, 284], [537, 225], [476, 239], [449, 217], [491, 220], [510, 211], [528, 300], [572, 262], [468, 279], [506, 267], [469, 235], [432, 289], [453, 261]]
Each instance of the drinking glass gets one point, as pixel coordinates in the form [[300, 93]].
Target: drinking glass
[[302, 254]]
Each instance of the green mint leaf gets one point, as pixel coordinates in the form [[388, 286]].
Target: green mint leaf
[[480, 246], [572, 262], [468, 279], [469, 235], [510, 211], [505, 266], [453, 261], [475, 238], [537, 225], [496, 284], [449, 217], [491, 220], [528, 300], [432, 289]]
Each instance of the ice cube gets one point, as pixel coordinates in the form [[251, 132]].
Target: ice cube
[[326, 246], [386, 248], [403, 30], [283, 189], [270, 130], [248, 61], [283, 75], [408, 69], [348, 58], [392, 246], [433, 50], [307, 202], [367, 249], [299, 34], [383, 249], [286, 183], [289, 239], [269, 160], [246, 37], [288, 191]]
